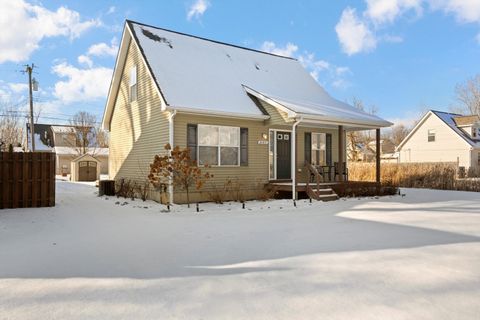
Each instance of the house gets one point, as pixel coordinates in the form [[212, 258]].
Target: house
[[443, 137], [252, 116], [62, 140], [367, 152]]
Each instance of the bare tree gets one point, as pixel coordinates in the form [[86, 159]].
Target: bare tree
[[397, 134], [83, 124], [468, 94], [358, 141], [101, 138], [11, 128]]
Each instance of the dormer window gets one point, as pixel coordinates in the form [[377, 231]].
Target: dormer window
[[133, 84], [431, 135]]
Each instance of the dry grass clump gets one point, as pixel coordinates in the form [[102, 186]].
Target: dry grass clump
[[441, 176]]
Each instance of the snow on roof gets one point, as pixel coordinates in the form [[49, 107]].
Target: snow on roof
[[62, 129], [75, 151], [449, 119], [201, 74], [39, 143]]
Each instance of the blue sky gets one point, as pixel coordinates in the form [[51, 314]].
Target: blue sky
[[402, 56]]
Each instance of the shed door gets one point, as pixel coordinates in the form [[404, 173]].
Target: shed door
[[87, 171]]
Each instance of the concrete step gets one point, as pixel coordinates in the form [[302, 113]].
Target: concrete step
[[328, 197], [323, 190]]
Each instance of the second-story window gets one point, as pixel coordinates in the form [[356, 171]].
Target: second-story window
[[133, 84], [431, 135]]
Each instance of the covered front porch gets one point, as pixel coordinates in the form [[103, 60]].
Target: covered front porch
[[311, 159]]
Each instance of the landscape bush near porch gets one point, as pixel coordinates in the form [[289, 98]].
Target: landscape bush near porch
[[442, 176]]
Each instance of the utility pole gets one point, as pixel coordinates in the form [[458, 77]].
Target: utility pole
[[30, 89]]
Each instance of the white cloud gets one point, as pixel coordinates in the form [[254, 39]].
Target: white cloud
[[317, 67], [103, 49], [24, 26], [386, 11], [354, 35], [85, 60], [81, 84], [465, 11], [197, 9], [111, 10], [288, 51], [358, 33], [18, 87]]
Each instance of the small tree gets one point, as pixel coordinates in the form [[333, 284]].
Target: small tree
[[178, 169]]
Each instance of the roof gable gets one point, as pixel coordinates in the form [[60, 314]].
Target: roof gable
[[448, 119]]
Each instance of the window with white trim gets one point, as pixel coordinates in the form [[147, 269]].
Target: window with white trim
[[133, 84], [218, 145], [431, 135], [319, 149]]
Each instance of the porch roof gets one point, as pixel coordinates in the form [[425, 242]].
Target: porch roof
[[325, 110]]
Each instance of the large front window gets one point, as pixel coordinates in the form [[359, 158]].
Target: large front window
[[218, 145], [319, 149]]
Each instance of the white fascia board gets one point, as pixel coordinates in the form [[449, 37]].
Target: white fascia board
[[412, 132], [357, 124], [147, 67], [219, 114], [127, 38], [290, 113], [116, 78]]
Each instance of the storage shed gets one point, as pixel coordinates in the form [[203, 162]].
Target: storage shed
[[85, 168]]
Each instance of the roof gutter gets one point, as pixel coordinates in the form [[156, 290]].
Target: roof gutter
[[220, 114]]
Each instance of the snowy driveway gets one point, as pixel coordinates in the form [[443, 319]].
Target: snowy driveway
[[412, 257]]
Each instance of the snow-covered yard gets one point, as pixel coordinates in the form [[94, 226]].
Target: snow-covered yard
[[412, 257]]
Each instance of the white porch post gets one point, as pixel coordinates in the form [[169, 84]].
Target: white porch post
[[294, 159], [171, 141]]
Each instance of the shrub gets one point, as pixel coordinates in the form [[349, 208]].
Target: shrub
[[219, 194], [125, 188], [178, 169]]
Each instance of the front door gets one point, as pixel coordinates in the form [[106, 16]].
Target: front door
[[284, 152]]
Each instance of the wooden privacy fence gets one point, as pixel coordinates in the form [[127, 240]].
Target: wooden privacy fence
[[27, 179]]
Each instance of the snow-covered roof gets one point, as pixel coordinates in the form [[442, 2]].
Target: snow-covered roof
[[202, 75], [74, 151], [449, 119], [62, 129]]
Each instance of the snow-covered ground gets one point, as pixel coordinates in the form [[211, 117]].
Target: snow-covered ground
[[411, 257]]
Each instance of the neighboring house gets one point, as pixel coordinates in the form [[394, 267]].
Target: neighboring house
[[443, 137], [367, 153], [252, 116], [63, 141]]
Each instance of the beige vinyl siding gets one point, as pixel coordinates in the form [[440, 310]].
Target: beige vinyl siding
[[447, 147], [139, 129], [253, 177], [64, 160], [277, 117]]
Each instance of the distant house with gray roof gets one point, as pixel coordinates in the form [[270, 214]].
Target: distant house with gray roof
[[443, 137]]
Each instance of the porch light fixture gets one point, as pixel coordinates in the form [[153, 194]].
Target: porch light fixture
[[264, 136]]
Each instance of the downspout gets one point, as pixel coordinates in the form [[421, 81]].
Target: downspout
[[171, 141], [294, 158]]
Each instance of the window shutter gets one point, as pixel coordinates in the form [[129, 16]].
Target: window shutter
[[244, 146], [192, 140], [308, 147], [328, 142]]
